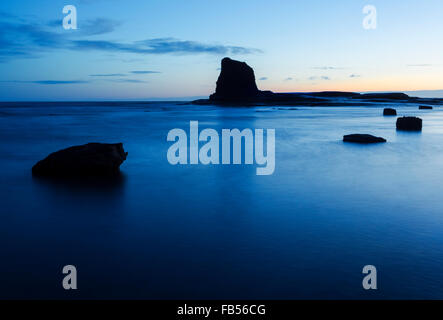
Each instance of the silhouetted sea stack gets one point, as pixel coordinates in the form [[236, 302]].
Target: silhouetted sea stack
[[236, 82], [363, 138], [92, 159], [409, 124], [425, 108], [389, 112]]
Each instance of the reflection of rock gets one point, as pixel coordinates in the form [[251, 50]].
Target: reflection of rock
[[91, 159], [363, 138], [82, 184], [389, 112], [236, 82], [425, 108], [409, 124]]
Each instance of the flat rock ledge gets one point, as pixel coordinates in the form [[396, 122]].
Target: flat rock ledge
[[92, 159], [363, 138]]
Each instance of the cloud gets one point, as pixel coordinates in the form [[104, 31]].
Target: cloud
[[31, 40], [6, 15], [56, 82], [129, 80], [160, 46], [108, 75], [263, 78], [26, 40], [420, 65], [59, 81], [313, 78], [354, 76], [289, 79], [144, 72], [89, 27], [48, 82], [328, 68]]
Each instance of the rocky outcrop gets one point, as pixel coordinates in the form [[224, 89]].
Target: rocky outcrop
[[92, 159], [389, 112], [425, 108], [236, 86], [409, 124], [236, 82], [363, 138], [385, 96]]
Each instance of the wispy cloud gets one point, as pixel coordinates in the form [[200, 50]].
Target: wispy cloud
[[160, 46], [263, 78], [313, 78], [354, 76], [48, 82], [108, 75], [129, 80], [144, 72], [5, 15], [60, 81], [328, 68], [289, 79], [21, 39], [420, 65], [89, 27]]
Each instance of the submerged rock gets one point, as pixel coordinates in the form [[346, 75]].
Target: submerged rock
[[236, 82], [389, 112], [92, 159], [409, 124], [363, 138], [425, 108]]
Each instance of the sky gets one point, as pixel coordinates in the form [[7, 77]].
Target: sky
[[158, 49]]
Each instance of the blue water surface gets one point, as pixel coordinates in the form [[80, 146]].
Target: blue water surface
[[210, 232]]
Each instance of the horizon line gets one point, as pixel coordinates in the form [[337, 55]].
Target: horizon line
[[192, 98]]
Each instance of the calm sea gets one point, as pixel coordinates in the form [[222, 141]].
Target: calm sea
[[186, 232]]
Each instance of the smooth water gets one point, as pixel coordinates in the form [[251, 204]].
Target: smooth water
[[211, 232]]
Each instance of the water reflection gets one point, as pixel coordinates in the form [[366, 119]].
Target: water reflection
[[92, 184]]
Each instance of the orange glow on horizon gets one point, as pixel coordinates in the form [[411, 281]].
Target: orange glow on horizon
[[396, 83]]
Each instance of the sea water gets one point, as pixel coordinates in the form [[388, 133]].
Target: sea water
[[208, 232]]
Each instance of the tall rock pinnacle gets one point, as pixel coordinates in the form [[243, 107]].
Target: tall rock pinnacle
[[236, 82]]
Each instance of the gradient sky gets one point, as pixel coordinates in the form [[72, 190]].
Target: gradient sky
[[145, 49]]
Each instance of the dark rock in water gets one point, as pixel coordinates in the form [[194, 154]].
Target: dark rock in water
[[236, 82], [425, 108], [409, 124], [92, 159], [363, 138], [389, 112]]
